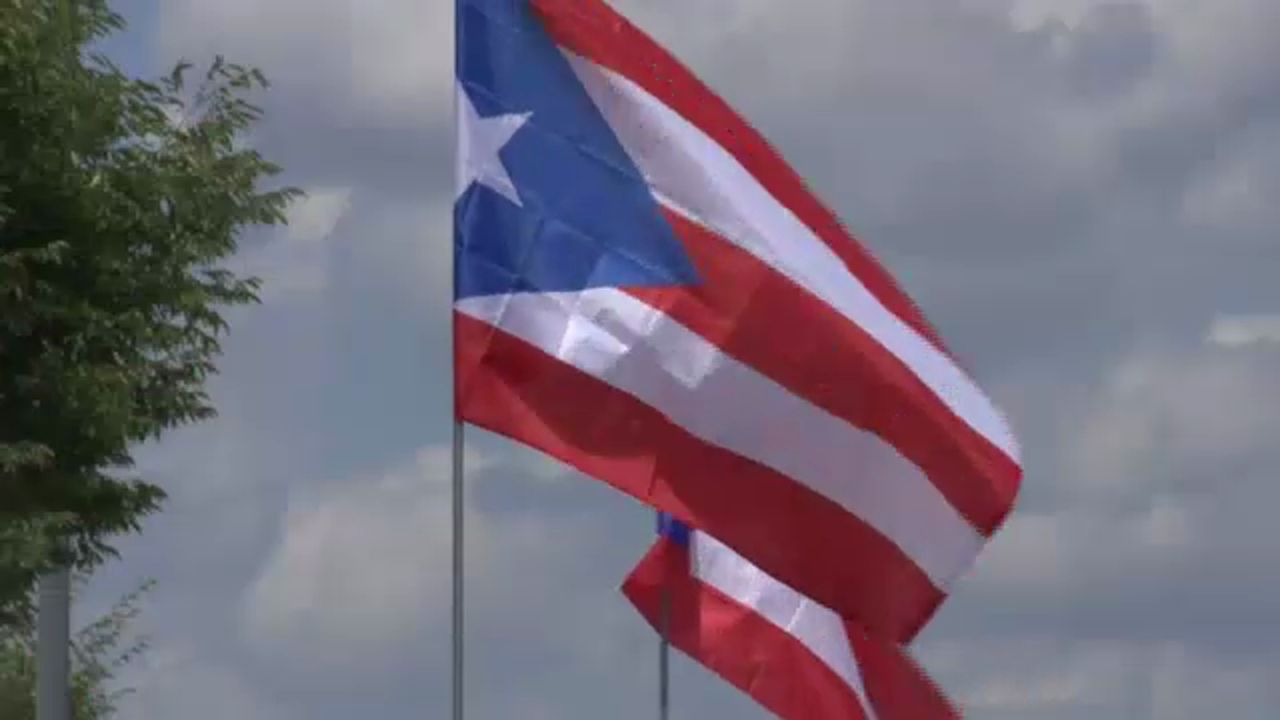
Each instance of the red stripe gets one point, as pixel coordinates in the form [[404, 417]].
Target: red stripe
[[760, 317], [749, 652], [592, 29], [898, 687], [768, 664], [515, 389]]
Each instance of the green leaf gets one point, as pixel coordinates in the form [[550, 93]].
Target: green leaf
[[121, 201]]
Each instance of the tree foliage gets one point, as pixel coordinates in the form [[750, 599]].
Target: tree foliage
[[98, 652], [120, 201]]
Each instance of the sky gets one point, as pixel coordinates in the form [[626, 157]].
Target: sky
[[1080, 195]]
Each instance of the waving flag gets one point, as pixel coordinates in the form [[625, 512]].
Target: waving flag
[[793, 656], [646, 291]]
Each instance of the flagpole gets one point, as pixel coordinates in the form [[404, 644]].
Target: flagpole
[[664, 654], [459, 472], [458, 538]]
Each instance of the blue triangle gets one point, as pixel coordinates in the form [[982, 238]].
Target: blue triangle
[[587, 217]]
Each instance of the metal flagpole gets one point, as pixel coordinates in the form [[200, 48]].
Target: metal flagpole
[[459, 472], [664, 653], [458, 497], [53, 646]]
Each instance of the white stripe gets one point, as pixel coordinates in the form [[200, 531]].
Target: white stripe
[[645, 353], [698, 178], [814, 626]]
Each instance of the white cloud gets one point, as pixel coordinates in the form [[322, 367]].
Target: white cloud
[[1039, 555], [1151, 463], [1031, 14], [1163, 409], [208, 470], [360, 565], [413, 251], [1188, 686], [1047, 677], [1237, 191], [363, 61], [294, 263], [313, 217], [1090, 678], [1229, 42], [169, 682], [1235, 331], [361, 568], [1167, 525]]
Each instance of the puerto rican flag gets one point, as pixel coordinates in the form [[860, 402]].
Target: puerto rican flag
[[646, 291], [798, 659]]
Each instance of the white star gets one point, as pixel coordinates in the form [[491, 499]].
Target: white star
[[479, 140]]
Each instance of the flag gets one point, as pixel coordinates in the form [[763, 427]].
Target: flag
[[798, 659], [646, 291]]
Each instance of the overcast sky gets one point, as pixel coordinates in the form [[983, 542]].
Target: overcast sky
[[1081, 195]]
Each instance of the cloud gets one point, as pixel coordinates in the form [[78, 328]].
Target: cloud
[[314, 217], [412, 254], [1053, 678], [1235, 331], [1032, 14], [294, 262], [1090, 677], [1186, 685], [357, 587], [361, 566], [1143, 537], [1164, 417], [370, 62], [358, 566], [174, 681]]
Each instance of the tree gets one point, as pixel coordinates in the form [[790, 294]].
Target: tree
[[120, 201], [99, 651]]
